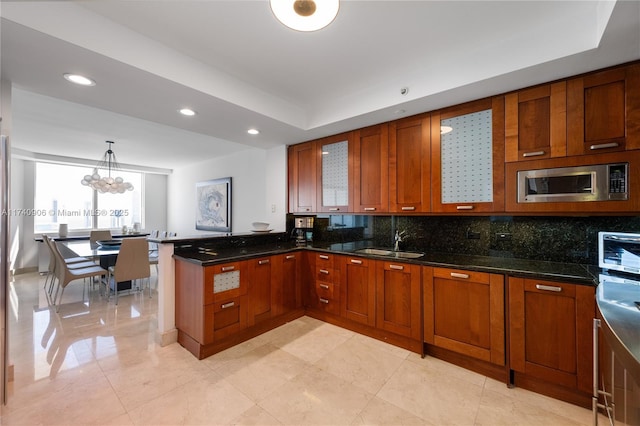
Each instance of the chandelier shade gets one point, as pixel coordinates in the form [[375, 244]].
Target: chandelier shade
[[305, 15], [108, 184]]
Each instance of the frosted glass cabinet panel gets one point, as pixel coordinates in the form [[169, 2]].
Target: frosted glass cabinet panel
[[335, 174], [467, 154]]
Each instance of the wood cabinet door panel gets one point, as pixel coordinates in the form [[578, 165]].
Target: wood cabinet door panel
[[371, 170], [222, 319], [289, 295], [358, 298], [410, 165], [261, 290], [398, 298], [303, 177]]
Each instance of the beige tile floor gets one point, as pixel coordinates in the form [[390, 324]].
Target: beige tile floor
[[97, 363]]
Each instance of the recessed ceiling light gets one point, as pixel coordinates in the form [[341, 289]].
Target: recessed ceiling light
[[79, 79], [253, 131], [187, 111]]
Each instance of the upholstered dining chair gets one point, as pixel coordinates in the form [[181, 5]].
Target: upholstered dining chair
[[72, 262], [132, 264], [66, 274]]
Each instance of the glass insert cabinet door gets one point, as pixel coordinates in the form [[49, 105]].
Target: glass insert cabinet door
[[335, 191], [468, 155]]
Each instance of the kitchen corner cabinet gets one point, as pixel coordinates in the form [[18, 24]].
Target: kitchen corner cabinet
[[302, 176], [358, 287], [371, 169], [211, 302], [410, 165], [335, 173], [467, 157], [464, 312], [603, 111], [398, 301], [551, 332], [536, 123]]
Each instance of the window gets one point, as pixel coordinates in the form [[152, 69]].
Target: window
[[60, 198]]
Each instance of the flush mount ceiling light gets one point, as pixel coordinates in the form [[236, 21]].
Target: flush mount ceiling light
[[253, 131], [79, 79], [305, 15], [109, 184], [187, 111]]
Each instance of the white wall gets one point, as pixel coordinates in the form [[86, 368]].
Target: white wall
[[258, 180]]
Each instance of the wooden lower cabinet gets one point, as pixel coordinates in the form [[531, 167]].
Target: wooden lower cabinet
[[325, 285], [551, 336], [398, 298], [286, 276], [464, 312], [358, 287], [263, 293]]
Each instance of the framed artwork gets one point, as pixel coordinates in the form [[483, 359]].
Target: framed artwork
[[213, 205]]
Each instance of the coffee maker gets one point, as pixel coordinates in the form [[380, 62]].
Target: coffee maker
[[303, 229]]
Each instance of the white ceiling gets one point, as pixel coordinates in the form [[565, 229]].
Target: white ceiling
[[240, 68]]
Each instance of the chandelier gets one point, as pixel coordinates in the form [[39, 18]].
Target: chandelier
[[305, 15], [113, 185]]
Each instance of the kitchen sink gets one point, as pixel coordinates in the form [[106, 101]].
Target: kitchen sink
[[390, 253]]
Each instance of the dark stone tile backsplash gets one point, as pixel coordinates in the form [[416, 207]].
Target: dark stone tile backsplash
[[559, 239]]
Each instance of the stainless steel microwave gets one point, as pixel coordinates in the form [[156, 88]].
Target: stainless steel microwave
[[619, 251], [600, 182]]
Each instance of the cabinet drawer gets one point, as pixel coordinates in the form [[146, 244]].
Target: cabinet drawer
[[222, 282], [326, 290], [326, 274], [460, 274], [224, 318], [330, 305], [324, 260]]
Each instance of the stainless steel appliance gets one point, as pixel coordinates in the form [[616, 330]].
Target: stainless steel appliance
[[599, 182], [619, 251], [303, 228]]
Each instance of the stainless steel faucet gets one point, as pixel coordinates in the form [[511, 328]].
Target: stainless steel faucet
[[398, 239]]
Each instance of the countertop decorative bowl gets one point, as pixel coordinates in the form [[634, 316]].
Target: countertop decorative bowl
[[260, 226], [109, 243]]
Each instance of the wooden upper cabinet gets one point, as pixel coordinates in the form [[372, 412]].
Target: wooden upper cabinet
[[536, 123], [603, 111], [467, 159], [371, 169], [302, 159], [410, 165], [335, 173]]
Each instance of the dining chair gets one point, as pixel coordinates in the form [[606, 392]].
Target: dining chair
[[99, 234], [73, 262], [132, 264], [66, 274]]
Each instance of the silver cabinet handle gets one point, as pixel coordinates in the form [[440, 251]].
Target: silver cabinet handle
[[291, 256], [397, 267], [228, 268], [459, 275], [533, 154], [604, 146], [334, 209], [323, 256], [408, 209], [324, 271], [548, 288], [356, 261], [369, 209], [325, 286], [227, 305], [464, 207], [323, 300], [263, 261]]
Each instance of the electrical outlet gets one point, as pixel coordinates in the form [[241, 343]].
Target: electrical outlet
[[503, 236], [273, 208]]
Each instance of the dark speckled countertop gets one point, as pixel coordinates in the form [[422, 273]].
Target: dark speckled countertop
[[568, 272]]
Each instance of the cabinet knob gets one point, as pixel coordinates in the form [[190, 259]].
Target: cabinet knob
[[227, 305], [228, 268], [263, 261], [290, 256], [324, 271], [325, 286], [323, 256], [356, 261], [464, 207], [369, 209], [323, 300], [408, 209], [396, 267]]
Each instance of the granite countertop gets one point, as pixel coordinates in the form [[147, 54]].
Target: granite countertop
[[616, 300], [567, 272]]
